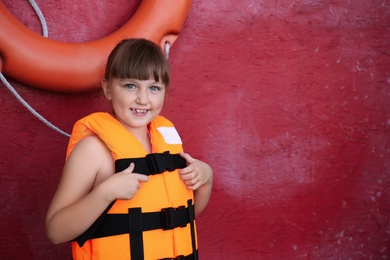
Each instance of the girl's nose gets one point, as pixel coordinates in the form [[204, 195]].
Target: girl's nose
[[142, 97]]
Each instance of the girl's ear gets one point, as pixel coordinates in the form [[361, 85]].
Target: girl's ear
[[106, 89]]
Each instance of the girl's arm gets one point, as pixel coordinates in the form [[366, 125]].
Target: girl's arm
[[87, 186]]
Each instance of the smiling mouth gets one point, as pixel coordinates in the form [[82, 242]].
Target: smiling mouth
[[139, 111]]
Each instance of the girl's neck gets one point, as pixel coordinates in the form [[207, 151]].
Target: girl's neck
[[142, 135]]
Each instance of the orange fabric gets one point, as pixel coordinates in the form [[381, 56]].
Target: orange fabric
[[161, 191]]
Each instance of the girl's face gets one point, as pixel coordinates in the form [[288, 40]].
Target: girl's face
[[135, 102]]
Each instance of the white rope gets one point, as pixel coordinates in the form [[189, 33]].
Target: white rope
[[16, 94], [41, 17], [29, 108]]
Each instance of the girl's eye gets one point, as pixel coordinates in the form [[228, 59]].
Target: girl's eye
[[130, 86], [155, 88]]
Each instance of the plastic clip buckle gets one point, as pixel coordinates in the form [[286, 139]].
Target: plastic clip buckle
[[173, 217], [159, 162], [166, 218]]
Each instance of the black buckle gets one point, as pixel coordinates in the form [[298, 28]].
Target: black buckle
[[166, 218], [160, 162], [173, 217]]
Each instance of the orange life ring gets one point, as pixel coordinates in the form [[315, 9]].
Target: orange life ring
[[52, 65]]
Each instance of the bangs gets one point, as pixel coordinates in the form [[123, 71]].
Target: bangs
[[138, 59]]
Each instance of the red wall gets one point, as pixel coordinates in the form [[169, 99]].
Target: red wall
[[289, 102]]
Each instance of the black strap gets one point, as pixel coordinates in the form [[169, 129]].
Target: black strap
[[135, 229], [151, 164], [91, 230], [167, 218], [136, 222]]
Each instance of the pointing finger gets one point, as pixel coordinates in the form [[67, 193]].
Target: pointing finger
[[130, 168]]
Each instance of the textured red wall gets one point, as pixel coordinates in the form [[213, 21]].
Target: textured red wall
[[289, 102]]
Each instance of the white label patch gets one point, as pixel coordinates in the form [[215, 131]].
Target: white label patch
[[171, 136]]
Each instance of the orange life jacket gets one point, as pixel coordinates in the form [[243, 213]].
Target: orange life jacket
[[164, 190]]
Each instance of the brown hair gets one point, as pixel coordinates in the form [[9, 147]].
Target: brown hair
[[137, 59]]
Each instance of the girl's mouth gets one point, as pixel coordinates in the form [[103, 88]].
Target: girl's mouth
[[139, 111]]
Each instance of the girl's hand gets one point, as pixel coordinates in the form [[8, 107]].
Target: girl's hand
[[124, 184], [196, 174]]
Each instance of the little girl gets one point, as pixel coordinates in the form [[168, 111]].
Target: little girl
[[145, 210]]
